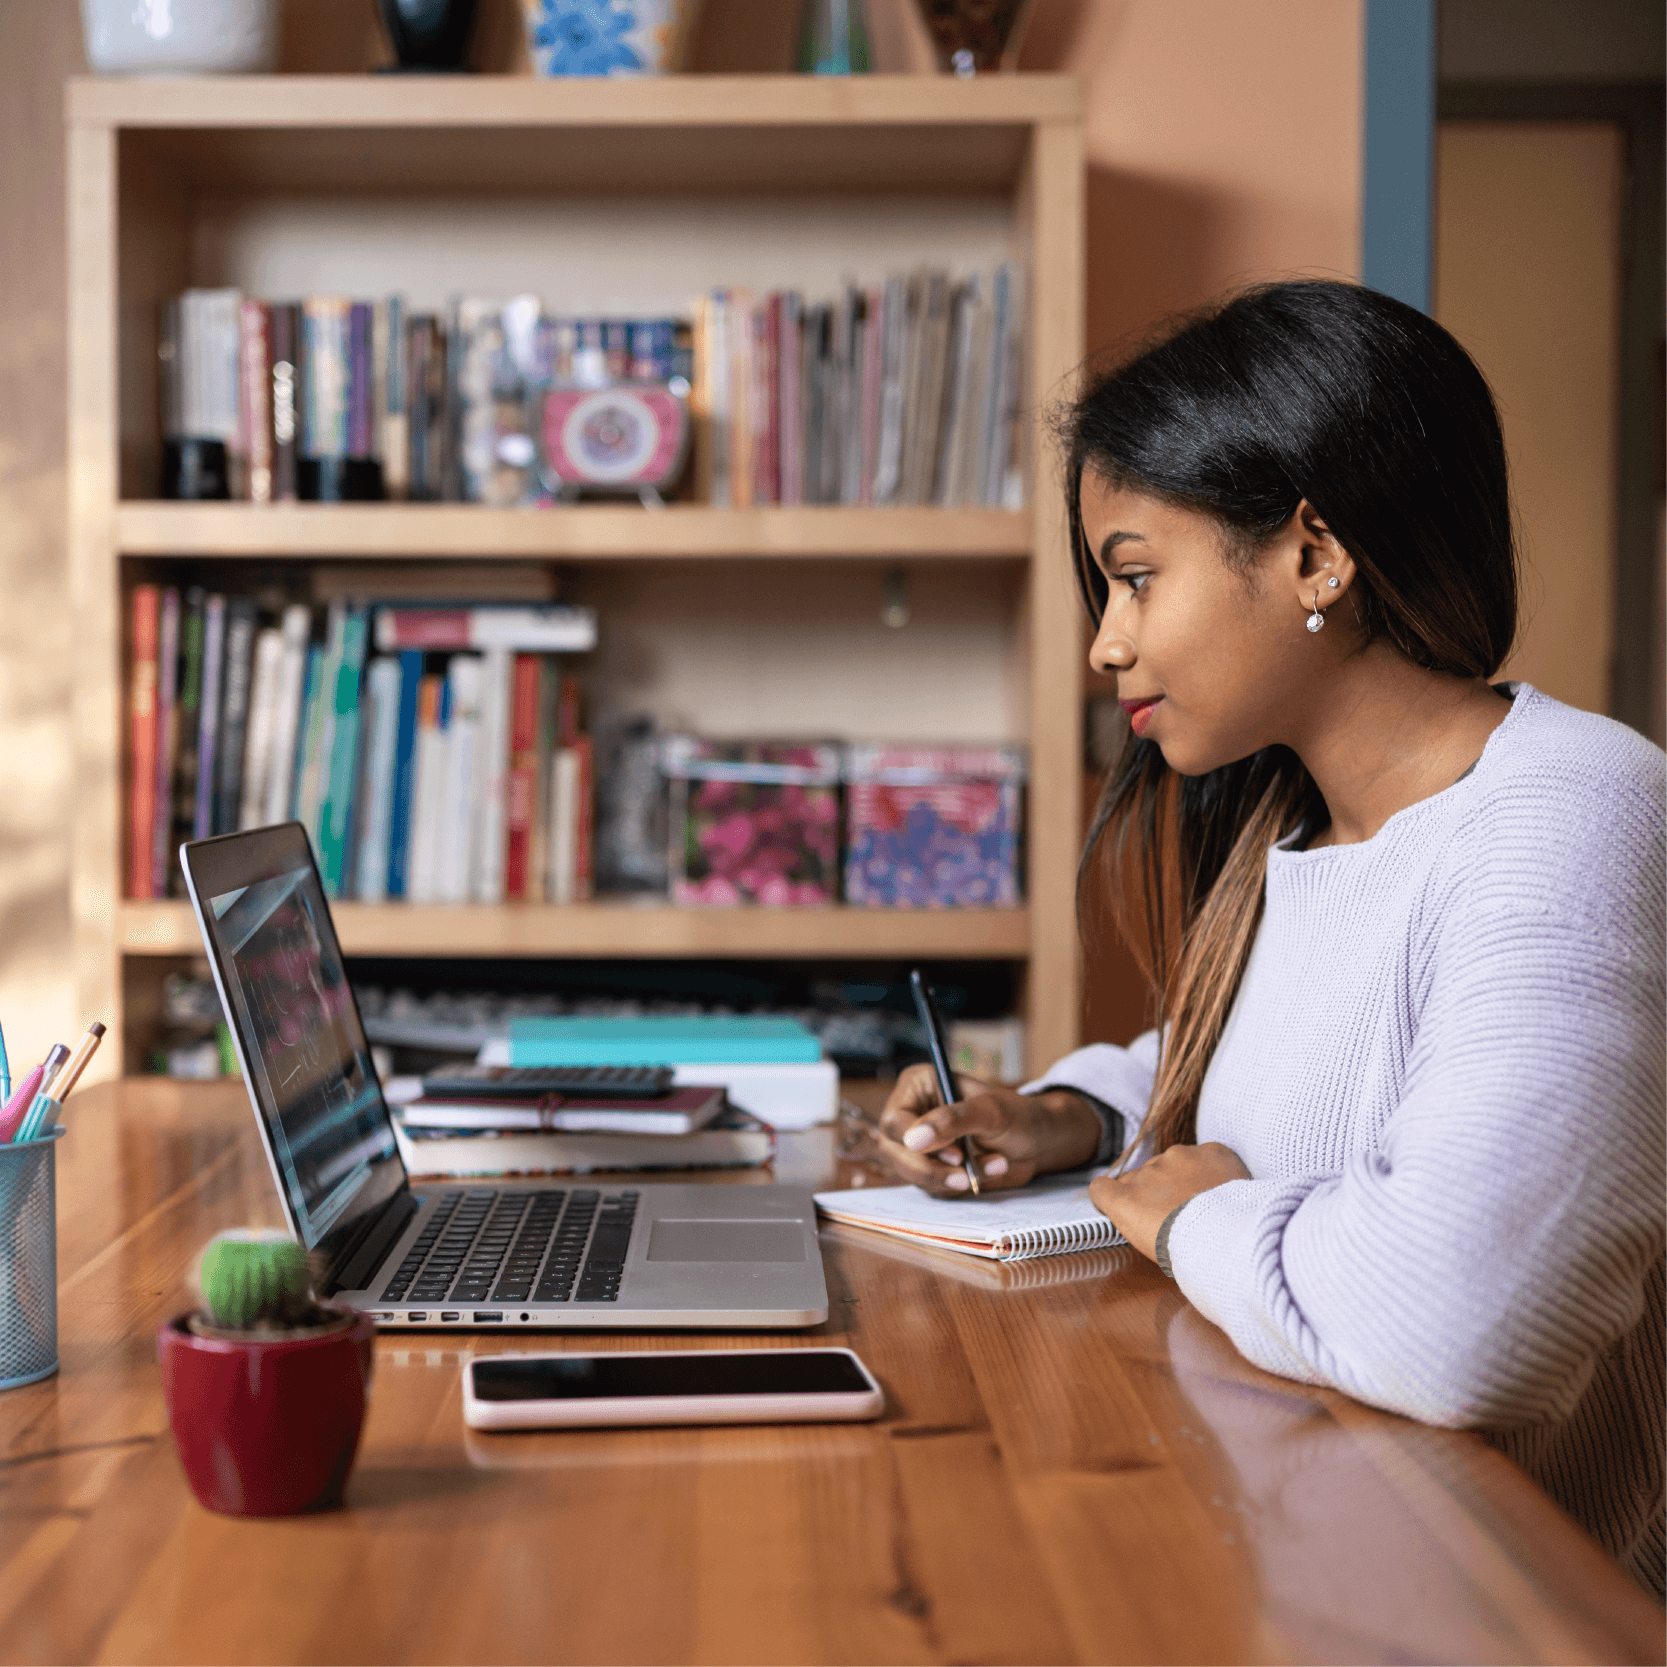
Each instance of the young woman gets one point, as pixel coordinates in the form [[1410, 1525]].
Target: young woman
[[1404, 1132]]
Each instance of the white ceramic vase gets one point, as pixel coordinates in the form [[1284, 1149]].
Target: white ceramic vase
[[180, 37]]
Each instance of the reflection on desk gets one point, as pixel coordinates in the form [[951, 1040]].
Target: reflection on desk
[[1079, 1469]]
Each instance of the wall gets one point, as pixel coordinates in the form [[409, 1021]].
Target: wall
[[1528, 279], [1223, 146]]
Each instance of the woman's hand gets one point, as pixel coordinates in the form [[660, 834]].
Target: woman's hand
[[1139, 1201], [1015, 1136]]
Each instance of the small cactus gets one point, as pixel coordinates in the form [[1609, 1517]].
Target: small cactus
[[253, 1281]]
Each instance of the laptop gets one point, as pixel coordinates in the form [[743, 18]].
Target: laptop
[[523, 1253]]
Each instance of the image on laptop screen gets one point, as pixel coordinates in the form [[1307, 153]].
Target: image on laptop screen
[[316, 1087]]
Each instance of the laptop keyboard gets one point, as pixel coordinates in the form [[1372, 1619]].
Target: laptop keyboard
[[488, 1246]]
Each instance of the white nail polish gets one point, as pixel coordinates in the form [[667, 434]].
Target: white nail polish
[[956, 1182]]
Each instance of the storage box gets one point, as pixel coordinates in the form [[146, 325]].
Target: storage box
[[932, 827], [753, 821]]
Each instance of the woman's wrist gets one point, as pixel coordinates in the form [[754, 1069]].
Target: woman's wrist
[[1076, 1128]]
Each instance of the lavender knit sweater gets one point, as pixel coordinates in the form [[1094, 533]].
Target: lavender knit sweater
[[1444, 1071]]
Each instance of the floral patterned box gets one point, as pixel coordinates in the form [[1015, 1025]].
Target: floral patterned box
[[753, 821], [932, 827]]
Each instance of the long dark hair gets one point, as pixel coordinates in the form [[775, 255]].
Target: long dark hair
[[1374, 414]]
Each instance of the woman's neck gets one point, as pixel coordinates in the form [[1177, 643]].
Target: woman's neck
[[1389, 734]]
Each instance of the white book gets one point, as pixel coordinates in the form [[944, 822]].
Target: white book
[[491, 788], [382, 684], [286, 713], [456, 809], [564, 826], [263, 713], [786, 1096], [949, 470], [428, 782]]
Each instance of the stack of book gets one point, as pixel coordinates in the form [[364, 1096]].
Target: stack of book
[[906, 392], [773, 1068], [449, 1134], [434, 754]]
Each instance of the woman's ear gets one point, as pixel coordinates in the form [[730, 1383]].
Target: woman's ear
[[1318, 568]]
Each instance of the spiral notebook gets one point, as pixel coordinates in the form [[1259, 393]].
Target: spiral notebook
[[1046, 1218]]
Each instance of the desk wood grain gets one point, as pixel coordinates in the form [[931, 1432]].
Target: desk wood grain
[[1073, 1466]]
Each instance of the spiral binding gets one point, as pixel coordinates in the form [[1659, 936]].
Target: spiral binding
[[1053, 1241]]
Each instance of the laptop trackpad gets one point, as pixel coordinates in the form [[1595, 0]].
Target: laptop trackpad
[[727, 1241]]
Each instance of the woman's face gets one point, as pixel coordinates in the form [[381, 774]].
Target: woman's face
[[1212, 660]]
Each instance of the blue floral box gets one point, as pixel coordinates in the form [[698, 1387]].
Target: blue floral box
[[933, 827], [607, 37]]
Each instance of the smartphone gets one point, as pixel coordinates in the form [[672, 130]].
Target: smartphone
[[676, 1386]]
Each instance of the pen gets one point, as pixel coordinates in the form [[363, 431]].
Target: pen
[[5, 1070], [930, 1023], [17, 1107], [51, 1066], [84, 1050]]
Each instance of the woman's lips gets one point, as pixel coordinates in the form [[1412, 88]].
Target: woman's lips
[[1140, 712]]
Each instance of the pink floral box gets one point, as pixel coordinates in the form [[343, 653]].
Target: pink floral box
[[753, 821]]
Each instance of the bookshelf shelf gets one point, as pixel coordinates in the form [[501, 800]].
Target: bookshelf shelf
[[484, 180], [625, 930], [585, 531]]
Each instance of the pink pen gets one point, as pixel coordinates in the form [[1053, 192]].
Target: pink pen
[[17, 1107]]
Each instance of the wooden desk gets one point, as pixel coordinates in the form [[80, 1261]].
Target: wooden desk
[[1073, 1467]]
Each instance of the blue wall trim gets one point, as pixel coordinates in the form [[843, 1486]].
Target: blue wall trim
[[1397, 220]]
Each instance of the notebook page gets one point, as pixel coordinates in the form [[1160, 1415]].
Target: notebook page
[[1046, 1217]]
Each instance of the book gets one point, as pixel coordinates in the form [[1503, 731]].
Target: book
[[404, 785], [284, 324], [320, 735], [208, 716], [289, 696], [302, 805], [561, 886], [263, 715], [456, 805], [428, 774], [1047, 1218], [375, 819], [167, 739], [786, 1095], [255, 396], [699, 1038], [188, 731], [488, 795], [340, 765], [680, 1112], [142, 717], [522, 776], [548, 630], [734, 1140], [231, 735]]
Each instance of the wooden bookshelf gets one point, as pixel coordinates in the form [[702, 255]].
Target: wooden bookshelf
[[158, 169]]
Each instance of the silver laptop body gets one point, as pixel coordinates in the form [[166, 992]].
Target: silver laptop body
[[501, 1255]]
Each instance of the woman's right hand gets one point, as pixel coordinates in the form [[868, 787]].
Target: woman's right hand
[[1015, 1136]]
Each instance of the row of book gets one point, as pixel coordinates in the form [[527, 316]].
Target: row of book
[[904, 393], [433, 754], [908, 393]]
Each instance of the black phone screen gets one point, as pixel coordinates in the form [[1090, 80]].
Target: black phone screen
[[589, 1377]]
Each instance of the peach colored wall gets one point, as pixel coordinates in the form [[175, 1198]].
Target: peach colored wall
[[1528, 278]]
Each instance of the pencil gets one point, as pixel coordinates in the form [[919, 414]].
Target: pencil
[[84, 1050]]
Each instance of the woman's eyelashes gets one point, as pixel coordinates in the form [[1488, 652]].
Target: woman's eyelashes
[[1135, 581]]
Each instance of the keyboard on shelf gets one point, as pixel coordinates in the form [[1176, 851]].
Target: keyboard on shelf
[[487, 1246]]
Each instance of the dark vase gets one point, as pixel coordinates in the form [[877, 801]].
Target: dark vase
[[429, 35], [974, 37]]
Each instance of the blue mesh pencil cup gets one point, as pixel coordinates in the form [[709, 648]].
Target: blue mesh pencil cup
[[29, 1259]]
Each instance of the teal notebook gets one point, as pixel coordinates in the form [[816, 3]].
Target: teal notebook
[[718, 1039]]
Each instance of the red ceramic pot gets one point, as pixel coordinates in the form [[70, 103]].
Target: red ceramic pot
[[266, 1428]]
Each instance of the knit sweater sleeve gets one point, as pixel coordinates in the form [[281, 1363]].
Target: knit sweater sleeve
[[1470, 1266]]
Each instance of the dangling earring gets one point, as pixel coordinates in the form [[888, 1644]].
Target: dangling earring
[[1316, 620]]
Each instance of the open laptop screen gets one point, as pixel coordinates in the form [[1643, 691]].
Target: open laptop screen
[[309, 1070]]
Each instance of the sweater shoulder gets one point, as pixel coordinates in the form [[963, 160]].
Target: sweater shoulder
[[1563, 820]]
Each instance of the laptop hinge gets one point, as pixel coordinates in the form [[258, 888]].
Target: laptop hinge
[[360, 1261]]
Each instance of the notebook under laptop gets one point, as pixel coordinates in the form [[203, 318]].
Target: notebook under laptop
[[517, 1253]]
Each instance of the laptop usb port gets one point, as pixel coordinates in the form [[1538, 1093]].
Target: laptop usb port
[[485, 1319], [450, 1314]]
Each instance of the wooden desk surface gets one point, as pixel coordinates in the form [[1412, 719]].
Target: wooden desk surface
[[1073, 1467]]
